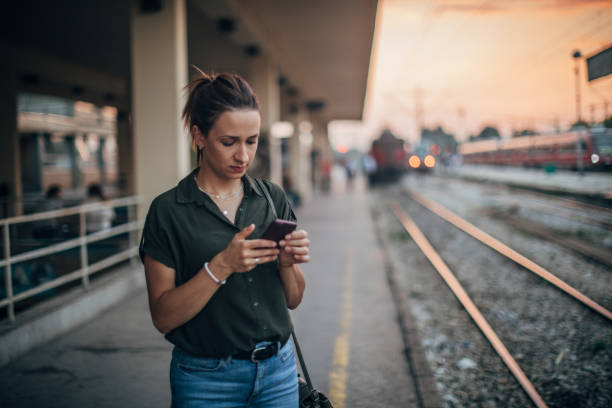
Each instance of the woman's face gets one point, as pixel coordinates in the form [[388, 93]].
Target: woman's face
[[230, 146]]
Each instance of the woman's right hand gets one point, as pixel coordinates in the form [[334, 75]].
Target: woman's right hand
[[242, 254]]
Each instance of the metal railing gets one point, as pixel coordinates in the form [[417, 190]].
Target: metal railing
[[131, 226]]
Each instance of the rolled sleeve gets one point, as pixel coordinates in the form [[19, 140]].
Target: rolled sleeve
[[154, 241]]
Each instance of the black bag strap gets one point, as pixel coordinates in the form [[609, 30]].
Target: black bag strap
[[263, 188], [301, 358]]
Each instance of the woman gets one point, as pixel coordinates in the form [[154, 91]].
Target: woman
[[216, 291]]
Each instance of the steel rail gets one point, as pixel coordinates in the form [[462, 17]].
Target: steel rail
[[570, 202], [467, 303], [510, 253], [567, 212]]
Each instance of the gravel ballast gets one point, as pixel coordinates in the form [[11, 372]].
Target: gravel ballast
[[564, 348]]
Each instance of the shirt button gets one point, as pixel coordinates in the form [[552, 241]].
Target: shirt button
[[265, 327], [255, 304], [250, 279]]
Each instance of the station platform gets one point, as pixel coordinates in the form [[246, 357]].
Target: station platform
[[594, 185], [346, 325]]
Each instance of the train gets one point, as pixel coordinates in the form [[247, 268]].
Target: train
[[394, 157], [586, 149]]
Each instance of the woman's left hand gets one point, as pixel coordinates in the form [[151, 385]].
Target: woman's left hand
[[294, 249]]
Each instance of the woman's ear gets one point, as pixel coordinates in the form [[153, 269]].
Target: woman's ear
[[197, 137]]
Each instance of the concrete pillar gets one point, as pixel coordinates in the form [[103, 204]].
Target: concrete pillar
[[264, 81], [159, 74], [321, 145], [37, 161], [126, 153], [300, 147], [10, 174], [75, 171]]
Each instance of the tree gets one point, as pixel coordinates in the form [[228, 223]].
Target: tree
[[579, 124], [489, 132], [438, 136], [524, 132]]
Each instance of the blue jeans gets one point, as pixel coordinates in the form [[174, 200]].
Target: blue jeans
[[229, 383]]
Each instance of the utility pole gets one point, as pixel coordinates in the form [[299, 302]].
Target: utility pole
[[577, 55], [418, 110]]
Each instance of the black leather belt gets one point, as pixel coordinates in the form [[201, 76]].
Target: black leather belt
[[258, 354]]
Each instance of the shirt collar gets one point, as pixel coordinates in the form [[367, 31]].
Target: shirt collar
[[187, 190], [251, 185]]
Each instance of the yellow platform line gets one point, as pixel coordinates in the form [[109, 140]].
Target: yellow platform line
[[342, 346]]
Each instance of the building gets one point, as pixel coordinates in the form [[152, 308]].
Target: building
[[92, 91]]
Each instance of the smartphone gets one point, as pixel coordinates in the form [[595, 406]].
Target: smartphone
[[278, 229]]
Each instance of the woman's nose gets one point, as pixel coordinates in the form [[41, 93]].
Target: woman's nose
[[242, 155]]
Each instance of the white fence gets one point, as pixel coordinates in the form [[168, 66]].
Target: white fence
[[131, 226]]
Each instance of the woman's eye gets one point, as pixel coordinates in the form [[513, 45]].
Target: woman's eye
[[227, 143], [251, 142]]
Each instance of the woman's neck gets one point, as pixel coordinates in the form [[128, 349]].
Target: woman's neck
[[212, 184]]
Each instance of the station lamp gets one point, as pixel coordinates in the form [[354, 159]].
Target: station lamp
[[282, 130]]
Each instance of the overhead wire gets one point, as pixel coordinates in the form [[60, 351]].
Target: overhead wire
[[535, 64], [549, 47]]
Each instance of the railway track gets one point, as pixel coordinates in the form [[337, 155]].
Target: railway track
[[463, 297], [581, 227]]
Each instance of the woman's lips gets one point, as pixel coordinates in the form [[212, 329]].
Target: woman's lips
[[238, 169]]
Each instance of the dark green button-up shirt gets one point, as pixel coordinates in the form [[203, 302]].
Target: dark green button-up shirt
[[184, 228]]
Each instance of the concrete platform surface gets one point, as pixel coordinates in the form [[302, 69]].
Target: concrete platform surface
[[346, 326], [562, 181]]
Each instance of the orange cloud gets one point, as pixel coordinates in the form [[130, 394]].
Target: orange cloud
[[501, 6]]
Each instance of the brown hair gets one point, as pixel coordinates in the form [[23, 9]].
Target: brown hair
[[212, 94]]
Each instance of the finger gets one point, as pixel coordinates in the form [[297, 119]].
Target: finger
[[301, 258], [296, 250], [264, 259], [258, 253], [245, 232], [260, 243], [295, 242], [297, 234]]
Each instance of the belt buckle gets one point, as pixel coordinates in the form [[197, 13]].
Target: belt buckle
[[253, 354]]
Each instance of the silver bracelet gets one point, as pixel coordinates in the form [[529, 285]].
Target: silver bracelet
[[213, 277]]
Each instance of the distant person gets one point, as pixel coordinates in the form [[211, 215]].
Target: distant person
[[326, 170], [98, 219], [217, 290], [351, 171], [47, 232], [49, 228], [53, 199], [369, 167]]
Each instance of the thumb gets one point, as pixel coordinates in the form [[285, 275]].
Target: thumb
[[245, 232]]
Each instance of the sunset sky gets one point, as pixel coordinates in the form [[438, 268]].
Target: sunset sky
[[464, 64]]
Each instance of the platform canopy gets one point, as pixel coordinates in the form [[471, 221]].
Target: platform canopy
[[323, 47]]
